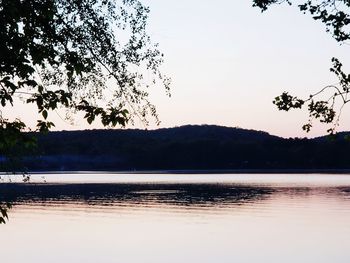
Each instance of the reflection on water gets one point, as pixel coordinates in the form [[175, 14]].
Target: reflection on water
[[211, 199], [179, 221], [164, 196]]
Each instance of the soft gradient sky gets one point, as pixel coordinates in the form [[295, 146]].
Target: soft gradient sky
[[228, 61]]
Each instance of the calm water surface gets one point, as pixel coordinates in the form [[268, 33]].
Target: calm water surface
[[177, 218]]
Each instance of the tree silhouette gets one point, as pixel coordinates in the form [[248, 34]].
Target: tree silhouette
[[335, 15], [87, 56]]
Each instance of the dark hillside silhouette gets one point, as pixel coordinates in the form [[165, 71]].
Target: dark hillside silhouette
[[189, 147]]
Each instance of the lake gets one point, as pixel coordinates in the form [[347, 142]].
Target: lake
[[128, 218]]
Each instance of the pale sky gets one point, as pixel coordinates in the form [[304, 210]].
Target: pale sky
[[228, 61]]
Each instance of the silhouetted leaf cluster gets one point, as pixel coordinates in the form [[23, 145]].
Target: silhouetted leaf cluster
[[14, 143], [335, 15], [88, 55]]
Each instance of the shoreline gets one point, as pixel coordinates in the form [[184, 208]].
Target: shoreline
[[214, 171]]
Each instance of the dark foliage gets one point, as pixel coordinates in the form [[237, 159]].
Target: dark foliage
[[335, 15], [85, 56]]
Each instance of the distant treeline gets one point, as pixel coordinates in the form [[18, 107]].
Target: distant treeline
[[203, 147]]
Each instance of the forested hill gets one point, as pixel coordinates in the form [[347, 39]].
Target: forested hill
[[185, 148]]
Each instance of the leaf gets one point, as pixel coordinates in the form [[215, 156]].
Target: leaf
[[90, 119], [44, 113]]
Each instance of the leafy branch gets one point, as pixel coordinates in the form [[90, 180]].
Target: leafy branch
[[335, 15], [321, 110], [89, 56]]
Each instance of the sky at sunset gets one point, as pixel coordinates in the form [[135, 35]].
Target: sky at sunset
[[228, 61]]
